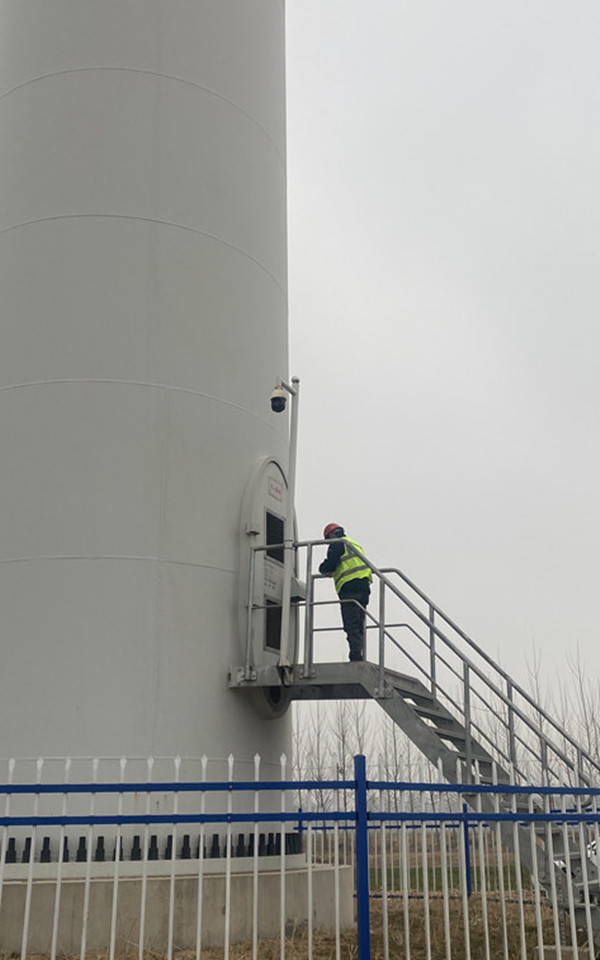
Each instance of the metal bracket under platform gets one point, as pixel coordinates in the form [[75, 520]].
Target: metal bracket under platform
[[327, 681]]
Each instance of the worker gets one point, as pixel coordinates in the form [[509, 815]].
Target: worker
[[352, 579]]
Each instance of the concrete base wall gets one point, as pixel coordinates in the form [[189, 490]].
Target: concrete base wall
[[157, 900]]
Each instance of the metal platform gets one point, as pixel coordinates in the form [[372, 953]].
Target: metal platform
[[439, 735]]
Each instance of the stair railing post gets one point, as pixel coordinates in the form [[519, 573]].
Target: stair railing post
[[467, 716], [248, 669], [362, 858], [467, 851], [381, 636], [579, 766], [512, 745], [308, 614], [432, 657], [545, 779]]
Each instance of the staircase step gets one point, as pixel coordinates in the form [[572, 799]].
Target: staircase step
[[485, 764], [434, 712], [410, 688], [455, 736], [420, 697]]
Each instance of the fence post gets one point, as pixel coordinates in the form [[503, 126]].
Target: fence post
[[362, 858]]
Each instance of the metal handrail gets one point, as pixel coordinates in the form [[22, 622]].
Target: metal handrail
[[513, 709], [511, 684], [511, 706], [466, 676]]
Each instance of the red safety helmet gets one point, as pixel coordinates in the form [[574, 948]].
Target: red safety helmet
[[330, 528]]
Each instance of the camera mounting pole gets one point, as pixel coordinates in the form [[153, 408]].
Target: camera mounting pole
[[288, 537]]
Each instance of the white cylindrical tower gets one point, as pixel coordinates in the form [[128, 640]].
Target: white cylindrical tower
[[143, 323]]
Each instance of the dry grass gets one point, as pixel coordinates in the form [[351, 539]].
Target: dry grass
[[324, 944], [457, 930]]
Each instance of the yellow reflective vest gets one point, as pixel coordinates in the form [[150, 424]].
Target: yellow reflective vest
[[351, 567]]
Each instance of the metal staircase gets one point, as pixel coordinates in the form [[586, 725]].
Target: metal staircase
[[461, 709]]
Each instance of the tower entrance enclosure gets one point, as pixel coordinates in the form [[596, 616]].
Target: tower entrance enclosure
[[265, 520]]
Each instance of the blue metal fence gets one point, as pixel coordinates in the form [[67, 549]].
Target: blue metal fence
[[569, 809]]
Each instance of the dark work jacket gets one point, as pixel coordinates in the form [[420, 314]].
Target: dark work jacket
[[334, 555]]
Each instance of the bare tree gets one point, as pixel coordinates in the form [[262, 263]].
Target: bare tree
[[319, 754]]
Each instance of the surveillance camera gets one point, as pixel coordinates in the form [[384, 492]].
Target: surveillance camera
[[278, 400]]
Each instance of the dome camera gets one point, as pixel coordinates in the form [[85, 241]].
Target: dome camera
[[278, 400]]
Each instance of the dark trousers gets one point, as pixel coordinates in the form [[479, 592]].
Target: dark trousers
[[352, 594]]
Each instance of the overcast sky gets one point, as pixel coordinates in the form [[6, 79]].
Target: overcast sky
[[444, 246]]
